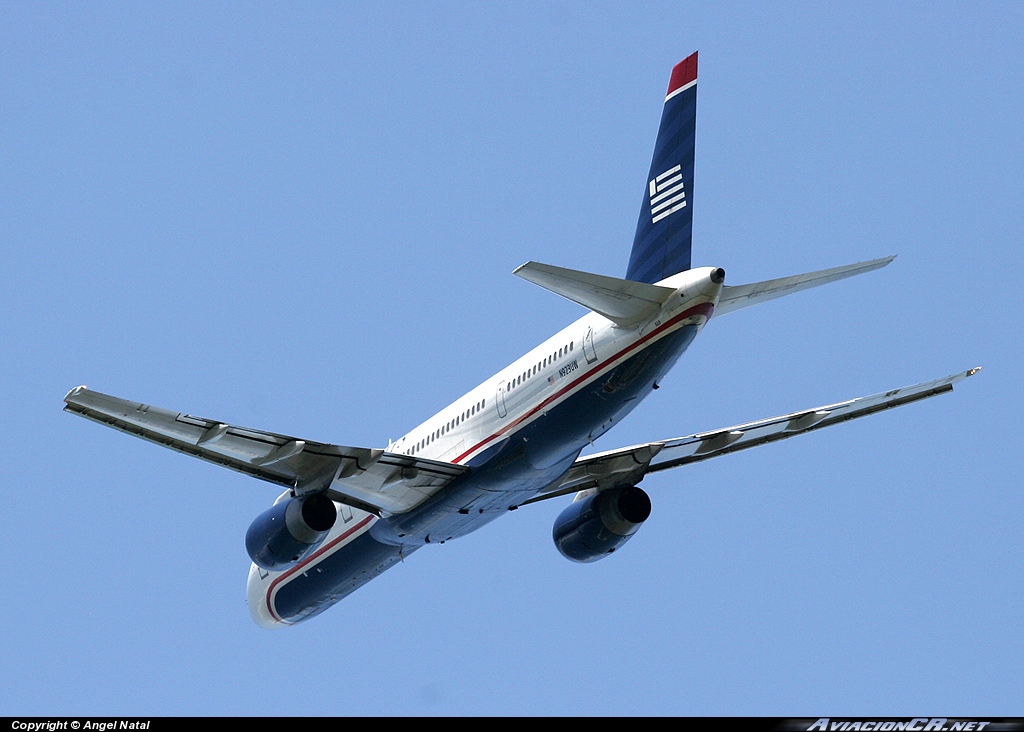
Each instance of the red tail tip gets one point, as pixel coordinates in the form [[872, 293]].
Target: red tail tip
[[683, 73]]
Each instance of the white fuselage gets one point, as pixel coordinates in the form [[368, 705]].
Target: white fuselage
[[533, 384], [512, 404]]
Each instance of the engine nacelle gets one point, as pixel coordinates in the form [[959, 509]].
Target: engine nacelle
[[289, 531], [593, 527]]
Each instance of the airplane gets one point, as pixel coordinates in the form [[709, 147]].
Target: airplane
[[347, 514]]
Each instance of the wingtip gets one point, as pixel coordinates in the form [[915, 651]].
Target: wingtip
[[972, 372], [879, 263], [74, 392]]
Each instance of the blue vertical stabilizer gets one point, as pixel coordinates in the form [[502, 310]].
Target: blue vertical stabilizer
[[664, 232]]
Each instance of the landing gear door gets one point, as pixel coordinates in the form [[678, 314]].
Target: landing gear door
[[588, 346]]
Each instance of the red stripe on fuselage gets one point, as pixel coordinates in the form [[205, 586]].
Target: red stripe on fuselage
[[315, 555], [704, 309]]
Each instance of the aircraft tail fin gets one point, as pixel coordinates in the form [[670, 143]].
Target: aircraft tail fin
[[742, 296], [661, 247], [624, 302]]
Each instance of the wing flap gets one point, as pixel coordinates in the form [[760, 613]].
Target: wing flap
[[371, 479]]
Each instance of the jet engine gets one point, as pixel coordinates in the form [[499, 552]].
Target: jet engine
[[594, 526], [289, 531]]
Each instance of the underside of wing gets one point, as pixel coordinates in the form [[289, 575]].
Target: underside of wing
[[371, 479], [737, 297], [624, 302], [628, 466]]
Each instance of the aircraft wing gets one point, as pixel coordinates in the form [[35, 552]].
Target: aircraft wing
[[628, 465], [371, 479]]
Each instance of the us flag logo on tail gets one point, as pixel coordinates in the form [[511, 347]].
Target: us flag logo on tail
[[667, 194]]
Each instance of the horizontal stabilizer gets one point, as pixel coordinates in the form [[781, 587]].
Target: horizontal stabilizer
[[742, 296], [624, 302]]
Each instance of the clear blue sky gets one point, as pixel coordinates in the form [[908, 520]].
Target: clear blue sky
[[303, 218]]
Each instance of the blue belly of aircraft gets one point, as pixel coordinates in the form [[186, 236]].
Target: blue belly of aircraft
[[533, 458]]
